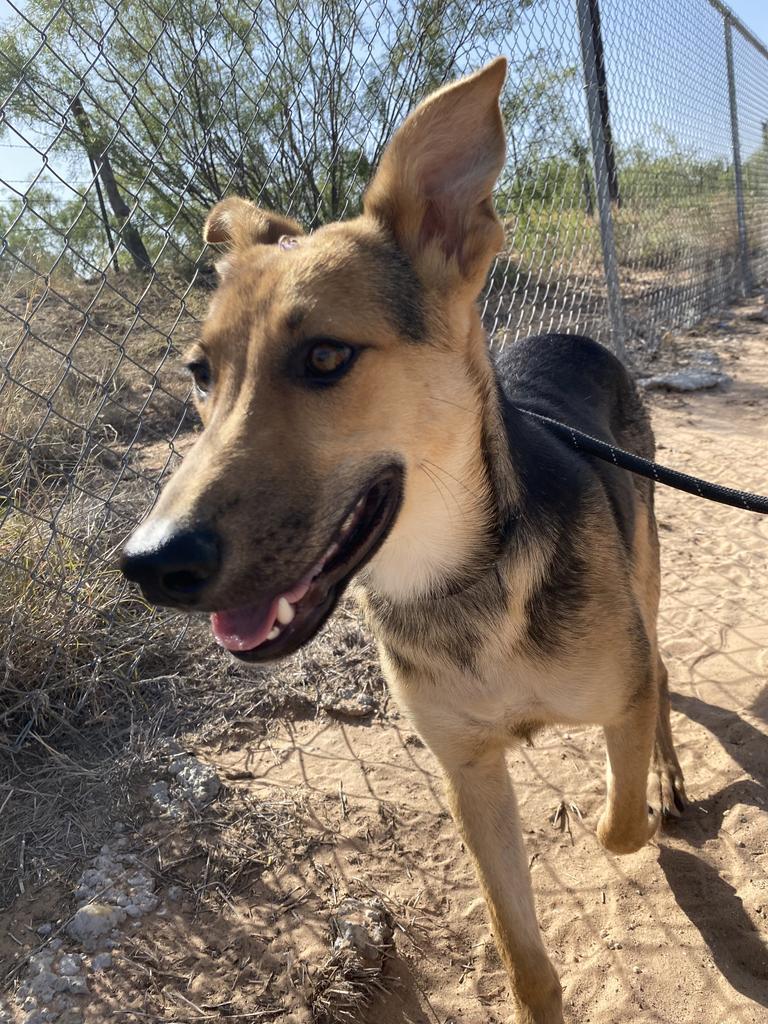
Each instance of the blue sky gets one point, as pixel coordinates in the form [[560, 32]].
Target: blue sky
[[754, 14], [650, 51]]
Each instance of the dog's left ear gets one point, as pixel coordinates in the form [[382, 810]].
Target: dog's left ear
[[434, 183], [238, 223]]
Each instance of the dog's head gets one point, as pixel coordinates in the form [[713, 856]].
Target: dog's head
[[338, 377]]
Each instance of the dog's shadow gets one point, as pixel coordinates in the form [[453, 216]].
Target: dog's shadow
[[711, 903]]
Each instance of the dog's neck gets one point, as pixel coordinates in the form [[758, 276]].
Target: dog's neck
[[458, 510]]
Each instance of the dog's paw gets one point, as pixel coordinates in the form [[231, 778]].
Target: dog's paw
[[666, 789], [622, 835]]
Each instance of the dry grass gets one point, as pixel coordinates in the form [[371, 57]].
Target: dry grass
[[343, 987], [77, 412]]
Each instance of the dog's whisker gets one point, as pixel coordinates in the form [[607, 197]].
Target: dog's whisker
[[461, 483], [441, 488], [447, 401]]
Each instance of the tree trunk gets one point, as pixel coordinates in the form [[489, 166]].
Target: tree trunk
[[129, 234]]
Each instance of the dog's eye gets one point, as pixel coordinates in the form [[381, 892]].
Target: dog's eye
[[200, 370], [327, 361]]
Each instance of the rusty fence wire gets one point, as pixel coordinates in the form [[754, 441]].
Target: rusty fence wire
[[635, 200]]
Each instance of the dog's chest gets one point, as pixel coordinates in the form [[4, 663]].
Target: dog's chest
[[501, 698]]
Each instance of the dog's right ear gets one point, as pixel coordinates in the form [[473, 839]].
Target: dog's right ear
[[237, 223], [433, 187]]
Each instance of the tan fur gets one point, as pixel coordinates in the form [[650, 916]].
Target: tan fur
[[276, 464]]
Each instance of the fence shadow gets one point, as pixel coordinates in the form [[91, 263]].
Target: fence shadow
[[747, 745], [714, 907], [710, 902]]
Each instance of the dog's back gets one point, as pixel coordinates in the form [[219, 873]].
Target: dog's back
[[577, 381]]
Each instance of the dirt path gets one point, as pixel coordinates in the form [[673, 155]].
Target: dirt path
[[673, 934]]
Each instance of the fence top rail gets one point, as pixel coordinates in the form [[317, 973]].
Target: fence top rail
[[739, 25]]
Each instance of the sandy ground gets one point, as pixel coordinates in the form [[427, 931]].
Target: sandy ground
[[675, 933]]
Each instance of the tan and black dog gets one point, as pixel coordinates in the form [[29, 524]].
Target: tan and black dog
[[357, 429]]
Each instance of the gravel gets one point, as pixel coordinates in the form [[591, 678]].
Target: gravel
[[114, 889]]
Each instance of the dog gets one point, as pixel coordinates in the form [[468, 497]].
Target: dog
[[359, 432]]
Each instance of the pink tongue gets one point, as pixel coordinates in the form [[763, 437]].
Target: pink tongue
[[242, 629]]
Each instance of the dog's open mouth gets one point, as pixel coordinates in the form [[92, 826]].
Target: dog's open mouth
[[277, 626]]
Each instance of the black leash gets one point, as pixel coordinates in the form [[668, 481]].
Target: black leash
[[644, 467]]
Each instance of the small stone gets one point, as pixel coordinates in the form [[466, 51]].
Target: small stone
[[175, 893], [71, 1016], [102, 962], [43, 985], [197, 782], [93, 922], [351, 705], [685, 380], [44, 929], [41, 961], [69, 965], [365, 927], [78, 986], [160, 795]]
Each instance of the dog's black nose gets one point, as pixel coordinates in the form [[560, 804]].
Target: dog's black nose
[[171, 567]]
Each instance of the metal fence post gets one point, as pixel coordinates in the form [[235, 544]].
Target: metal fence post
[[746, 274], [587, 29]]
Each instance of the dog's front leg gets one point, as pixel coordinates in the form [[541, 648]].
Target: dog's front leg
[[484, 806]]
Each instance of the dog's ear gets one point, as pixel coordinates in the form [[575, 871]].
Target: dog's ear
[[237, 223], [434, 183]]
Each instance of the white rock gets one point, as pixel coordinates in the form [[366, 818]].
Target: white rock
[[197, 782]]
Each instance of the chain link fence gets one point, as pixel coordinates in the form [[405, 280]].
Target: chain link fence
[[634, 197]]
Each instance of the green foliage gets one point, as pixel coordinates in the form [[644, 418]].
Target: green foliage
[[290, 103], [44, 236]]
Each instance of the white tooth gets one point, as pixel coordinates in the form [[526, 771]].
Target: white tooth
[[348, 522], [274, 633], [285, 611], [331, 552]]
